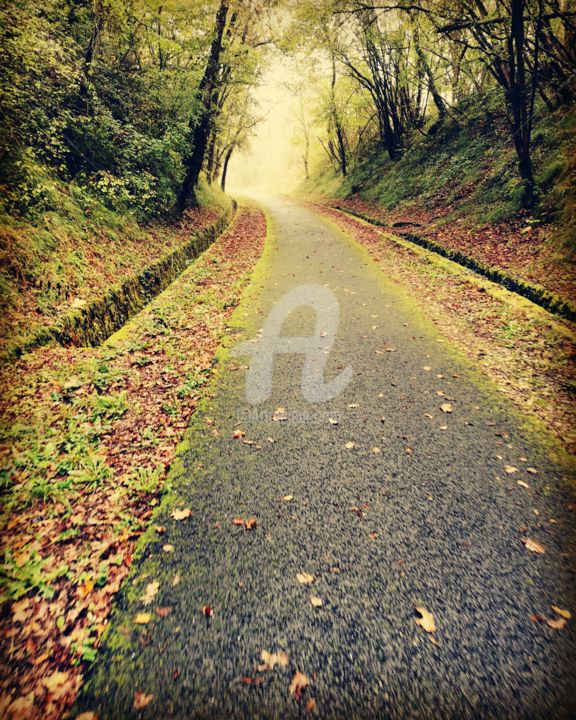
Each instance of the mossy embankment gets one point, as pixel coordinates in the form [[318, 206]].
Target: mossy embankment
[[458, 188], [76, 271]]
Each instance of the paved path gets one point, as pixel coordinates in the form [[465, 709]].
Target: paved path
[[446, 517]]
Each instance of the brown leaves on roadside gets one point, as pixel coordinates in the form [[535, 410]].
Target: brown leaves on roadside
[[533, 546], [237, 434], [305, 578], [270, 660], [298, 685], [425, 619], [250, 524], [446, 407], [141, 700], [182, 514]]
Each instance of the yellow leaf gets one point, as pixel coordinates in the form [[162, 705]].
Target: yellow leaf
[[533, 546], [181, 514], [510, 469], [316, 601], [142, 618], [288, 498], [54, 681], [305, 578], [446, 407], [426, 620], [350, 445], [150, 592], [563, 613]]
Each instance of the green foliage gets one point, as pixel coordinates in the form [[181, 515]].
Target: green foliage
[[87, 98]]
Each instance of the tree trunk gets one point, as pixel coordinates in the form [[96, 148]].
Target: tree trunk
[[225, 166], [201, 128], [519, 101]]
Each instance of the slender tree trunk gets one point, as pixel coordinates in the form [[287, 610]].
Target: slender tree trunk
[[201, 128], [340, 137], [225, 166], [519, 100]]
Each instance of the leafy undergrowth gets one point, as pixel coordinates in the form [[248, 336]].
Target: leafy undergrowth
[[87, 440], [526, 250], [526, 351], [69, 255]]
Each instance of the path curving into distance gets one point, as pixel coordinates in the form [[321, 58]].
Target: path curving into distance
[[430, 519]]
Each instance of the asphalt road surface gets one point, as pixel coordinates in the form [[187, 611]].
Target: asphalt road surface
[[419, 512]]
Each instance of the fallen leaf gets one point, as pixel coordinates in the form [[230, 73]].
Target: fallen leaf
[[523, 484], [250, 524], [207, 611], [55, 681], [533, 546], [270, 660], [87, 716], [426, 620], [316, 601], [181, 514], [150, 592], [298, 685], [532, 471], [288, 498], [305, 578], [510, 469], [279, 415], [376, 450], [238, 434], [350, 446], [310, 705], [175, 580], [142, 618], [332, 421], [238, 521], [373, 535], [446, 407], [566, 614], [141, 700], [168, 548], [163, 611], [160, 529], [558, 624]]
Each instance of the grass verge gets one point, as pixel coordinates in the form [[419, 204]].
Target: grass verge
[[87, 440]]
